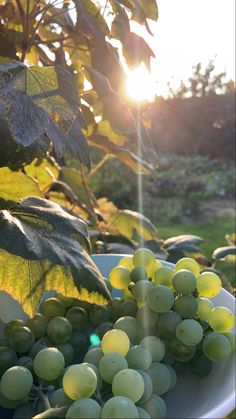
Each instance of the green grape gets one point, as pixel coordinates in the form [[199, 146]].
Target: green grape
[[114, 308], [21, 339], [155, 346], [189, 332], [27, 411], [119, 277], [115, 341], [78, 341], [216, 346], [181, 352], [66, 301], [185, 305], [221, 319], [98, 375], [143, 257], [232, 338], [173, 376], [184, 281], [152, 268], [163, 276], [52, 307], [79, 381], [94, 356], [128, 308], [9, 404], [98, 314], [59, 329], [139, 273], [204, 307], [110, 364], [143, 414], [59, 398], [146, 317], [208, 284], [38, 324], [119, 407], [16, 383], [82, 304], [167, 323], [148, 387], [12, 325], [155, 407], [103, 328], [27, 362], [84, 409], [148, 331], [49, 364], [8, 358], [189, 264], [41, 343], [161, 378], [67, 351], [140, 290], [139, 357], [128, 383], [127, 262], [201, 365], [130, 326], [78, 317], [160, 299]]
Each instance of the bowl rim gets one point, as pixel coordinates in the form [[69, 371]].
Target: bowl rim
[[228, 404]]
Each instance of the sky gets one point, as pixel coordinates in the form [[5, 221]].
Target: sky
[[188, 32]]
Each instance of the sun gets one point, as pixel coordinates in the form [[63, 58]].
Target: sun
[[140, 85]]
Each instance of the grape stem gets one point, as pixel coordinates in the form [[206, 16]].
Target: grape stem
[[98, 397], [41, 396]]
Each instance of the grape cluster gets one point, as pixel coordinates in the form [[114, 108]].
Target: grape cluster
[[77, 360]]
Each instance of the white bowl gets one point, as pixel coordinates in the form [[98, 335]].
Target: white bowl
[[212, 397]]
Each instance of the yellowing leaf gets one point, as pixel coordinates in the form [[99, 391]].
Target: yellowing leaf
[[16, 185], [44, 171], [132, 224], [104, 128]]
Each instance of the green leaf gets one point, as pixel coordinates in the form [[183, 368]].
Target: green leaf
[[104, 128], [74, 179], [130, 223], [90, 21], [45, 171], [182, 241], [15, 186], [150, 8], [231, 239], [45, 248], [223, 252]]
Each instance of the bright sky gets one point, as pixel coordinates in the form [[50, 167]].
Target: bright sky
[[188, 32]]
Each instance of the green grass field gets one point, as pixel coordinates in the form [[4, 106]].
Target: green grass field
[[213, 234]]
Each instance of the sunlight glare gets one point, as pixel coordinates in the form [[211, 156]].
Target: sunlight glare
[[140, 85]]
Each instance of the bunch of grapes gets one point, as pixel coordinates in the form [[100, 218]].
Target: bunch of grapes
[[78, 360]]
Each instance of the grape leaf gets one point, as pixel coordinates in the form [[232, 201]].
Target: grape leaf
[[223, 252], [44, 248]]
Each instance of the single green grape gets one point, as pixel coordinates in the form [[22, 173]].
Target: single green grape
[[181, 352], [59, 330], [78, 341], [201, 365], [216, 346], [41, 343], [119, 407], [52, 307], [208, 284], [143, 414], [139, 273], [48, 364], [140, 290], [127, 262], [98, 314], [189, 332], [152, 268], [221, 319], [143, 257], [185, 305], [184, 281], [59, 398], [167, 323], [110, 364], [21, 339], [67, 351], [128, 383], [232, 338], [148, 387], [189, 264], [94, 356], [204, 307], [119, 277], [128, 308], [16, 383], [155, 346], [8, 358], [161, 378], [163, 276], [155, 406], [115, 341], [78, 317], [85, 408], [139, 357], [173, 376], [38, 324], [12, 325], [130, 326], [79, 381], [160, 299]]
